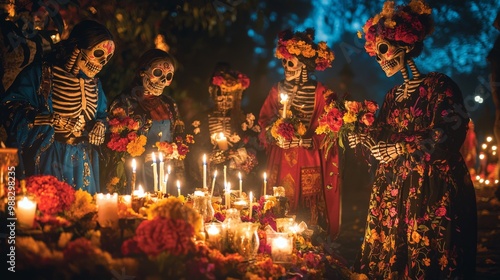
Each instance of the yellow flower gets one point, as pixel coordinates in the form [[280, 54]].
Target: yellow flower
[[301, 129], [359, 34], [415, 237], [136, 147], [274, 129], [349, 117], [321, 129], [174, 208], [292, 48], [419, 7], [82, 205], [308, 51]]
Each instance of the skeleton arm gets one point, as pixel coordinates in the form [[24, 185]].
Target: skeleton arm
[[386, 152], [96, 135]]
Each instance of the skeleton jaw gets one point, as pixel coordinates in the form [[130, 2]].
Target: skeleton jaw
[[152, 88]]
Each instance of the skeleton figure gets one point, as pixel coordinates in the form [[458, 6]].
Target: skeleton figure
[[65, 115], [299, 165], [421, 191], [145, 102]]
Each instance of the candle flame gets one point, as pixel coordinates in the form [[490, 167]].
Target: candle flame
[[133, 165], [204, 158], [161, 157], [168, 169], [153, 157]]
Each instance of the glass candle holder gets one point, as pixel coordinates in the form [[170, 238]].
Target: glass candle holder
[[215, 233], [281, 246]]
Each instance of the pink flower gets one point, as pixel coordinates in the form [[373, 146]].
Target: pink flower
[[394, 192], [441, 211]]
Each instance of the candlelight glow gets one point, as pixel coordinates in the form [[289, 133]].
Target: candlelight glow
[[153, 157], [134, 165], [489, 139]]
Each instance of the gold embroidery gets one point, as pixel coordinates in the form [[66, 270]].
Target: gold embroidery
[[291, 156]]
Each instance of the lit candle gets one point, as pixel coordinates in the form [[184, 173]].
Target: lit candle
[[213, 183], [214, 232], [166, 179], [179, 187], [204, 171], [134, 166], [281, 247], [139, 192], [25, 212], [107, 209], [228, 195], [250, 210], [241, 183], [155, 172], [265, 183], [127, 200], [225, 175], [162, 173], [284, 101], [222, 141]]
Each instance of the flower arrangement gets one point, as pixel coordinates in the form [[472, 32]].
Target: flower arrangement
[[177, 149], [405, 24], [343, 117], [231, 80], [52, 196], [286, 129], [125, 137], [301, 45]]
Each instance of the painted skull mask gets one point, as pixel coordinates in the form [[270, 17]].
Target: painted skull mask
[[292, 68], [225, 97], [158, 76], [92, 60], [390, 56]]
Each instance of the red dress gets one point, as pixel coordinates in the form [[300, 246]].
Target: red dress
[[309, 176]]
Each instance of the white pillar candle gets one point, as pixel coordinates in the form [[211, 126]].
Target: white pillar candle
[[25, 212], [107, 209], [162, 173], [204, 171], [213, 183], [155, 172], [222, 141], [281, 247]]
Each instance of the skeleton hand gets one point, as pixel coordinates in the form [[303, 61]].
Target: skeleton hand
[[73, 125], [361, 138], [47, 119], [96, 135], [78, 127], [386, 152], [295, 142]]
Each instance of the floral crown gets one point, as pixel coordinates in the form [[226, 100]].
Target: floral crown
[[404, 24], [232, 80], [301, 45]]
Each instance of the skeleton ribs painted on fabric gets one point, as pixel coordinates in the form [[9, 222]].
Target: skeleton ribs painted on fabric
[[74, 100], [218, 124]]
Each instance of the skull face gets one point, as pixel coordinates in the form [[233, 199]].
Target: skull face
[[92, 60], [390, 57], [292, 68], [224, 99], [158, 76]]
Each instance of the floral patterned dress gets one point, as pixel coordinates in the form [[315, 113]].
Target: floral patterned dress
[[422, 220]]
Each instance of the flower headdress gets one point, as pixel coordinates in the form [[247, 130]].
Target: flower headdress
[[231, 80], [301, 44], [403, 24]]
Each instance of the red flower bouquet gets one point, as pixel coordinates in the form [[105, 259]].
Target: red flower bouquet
[[177, 149], [52, 196], [343, 117], [125, 137]]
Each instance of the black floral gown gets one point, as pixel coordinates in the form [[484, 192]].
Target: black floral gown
[[421, 221]]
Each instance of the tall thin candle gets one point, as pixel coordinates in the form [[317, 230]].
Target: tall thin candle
[[155, 172], [241, 183], [134, 166], [250, 208], [179, 188], [162, 172], [166, 179], [265, 183], [204, 171], [284, 101], [213, 183], [225, 175], [228, 195]]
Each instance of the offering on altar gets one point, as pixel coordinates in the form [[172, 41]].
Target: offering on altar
[[25, 212], [214, 232], [281, 246], [107, 209]]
